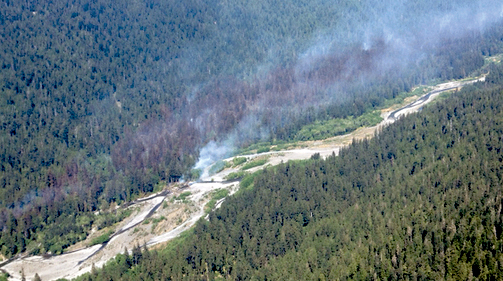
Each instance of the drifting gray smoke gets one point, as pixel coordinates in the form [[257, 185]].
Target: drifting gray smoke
[[392, 34]]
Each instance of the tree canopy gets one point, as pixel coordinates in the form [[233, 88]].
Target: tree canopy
[[100, 101], [420, 200]]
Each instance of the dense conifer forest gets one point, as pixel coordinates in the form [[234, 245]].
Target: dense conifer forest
[[420, 200], [104, 101]]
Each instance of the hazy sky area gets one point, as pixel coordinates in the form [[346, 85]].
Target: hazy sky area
[[392, 36]]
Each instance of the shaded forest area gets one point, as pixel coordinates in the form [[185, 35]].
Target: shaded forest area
[[420, 200], [103, 100]]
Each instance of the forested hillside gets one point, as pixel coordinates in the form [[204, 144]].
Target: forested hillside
[[102, 101], [420, 200]]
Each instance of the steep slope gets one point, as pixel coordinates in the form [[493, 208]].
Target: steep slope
[[103, 101], [422, 199], [151, 224]]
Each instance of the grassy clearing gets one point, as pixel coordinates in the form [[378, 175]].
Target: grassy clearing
[[255, 163], [400, 98], [238, 161], [324, 129], [215, 196], [103, 238], [262, 147], [220, 193], [235, 175], [335, 127]]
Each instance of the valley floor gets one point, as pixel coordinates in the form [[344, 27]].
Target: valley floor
[[162, 216]]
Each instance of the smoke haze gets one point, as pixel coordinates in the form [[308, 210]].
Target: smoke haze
[[390, 37]]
